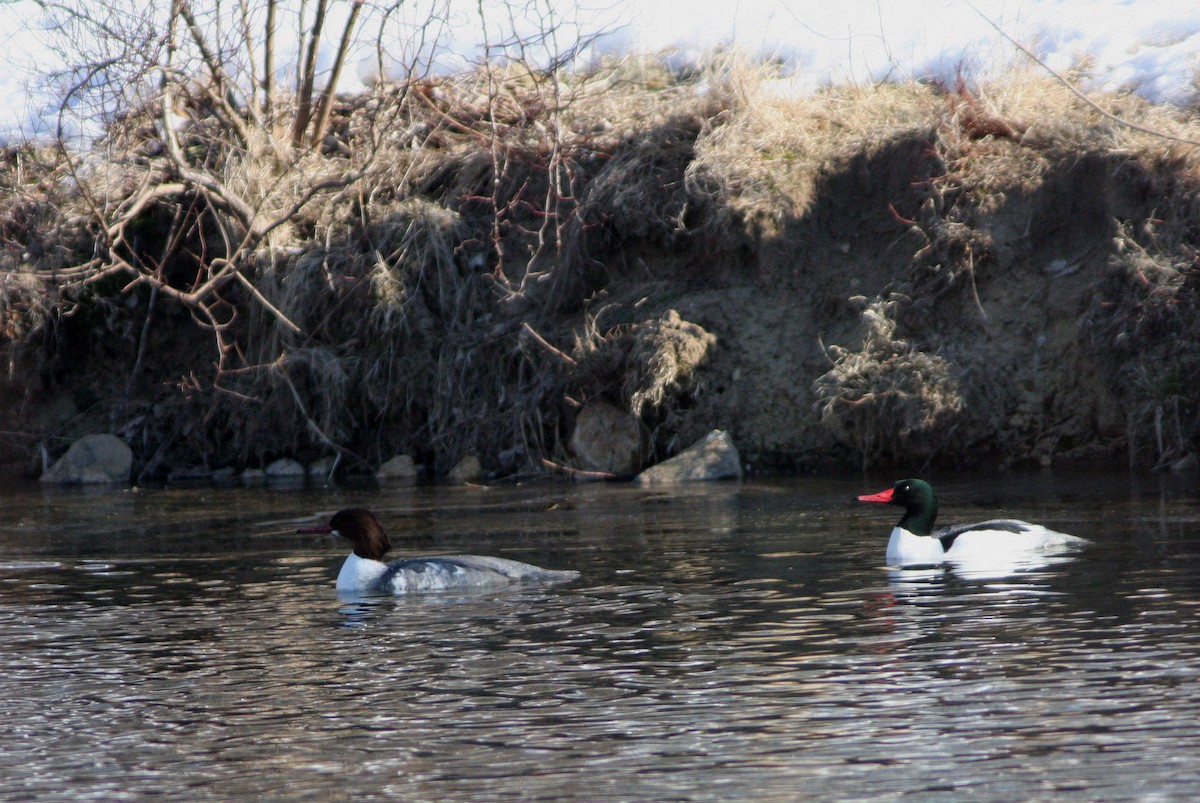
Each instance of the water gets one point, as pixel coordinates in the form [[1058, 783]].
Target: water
[[726, 642]]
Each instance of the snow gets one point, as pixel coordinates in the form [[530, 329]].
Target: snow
[[1151, 47]]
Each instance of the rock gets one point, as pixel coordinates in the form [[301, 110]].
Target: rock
[[714, 457], [92, 459], [322, 469], [226, 475], [401, 467], [254, 476], [606, 438], [468, 469], [285, 468], [188, 474], [1187, 463]]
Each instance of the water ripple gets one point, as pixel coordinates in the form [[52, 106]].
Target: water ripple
[[764, 661]]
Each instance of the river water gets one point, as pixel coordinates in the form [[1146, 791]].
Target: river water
[[726, 641]]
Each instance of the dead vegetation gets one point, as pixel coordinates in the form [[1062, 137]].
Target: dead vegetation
[[892, 401], [397, 292], [1147, 324], [460, 264], [1053, 283]]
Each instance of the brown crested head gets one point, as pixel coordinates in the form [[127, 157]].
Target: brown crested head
[[361, 528]]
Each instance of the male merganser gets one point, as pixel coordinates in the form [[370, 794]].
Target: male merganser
[[914, 542], [364, 571]]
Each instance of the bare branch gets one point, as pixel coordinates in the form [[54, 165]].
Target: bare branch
[[1074, 91], [331, 87], [308, 76], [285, 320], [223, 87], [247, 36], [279, 368], [268, 77]]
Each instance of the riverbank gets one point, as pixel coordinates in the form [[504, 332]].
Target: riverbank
[[891, 275]]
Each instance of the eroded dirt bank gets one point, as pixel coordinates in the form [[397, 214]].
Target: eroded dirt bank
[[900, 275]]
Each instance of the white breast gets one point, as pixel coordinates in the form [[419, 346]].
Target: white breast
[[906, 549], [360, 574]]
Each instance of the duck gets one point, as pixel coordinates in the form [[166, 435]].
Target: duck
[[914, 541], [365, 572]]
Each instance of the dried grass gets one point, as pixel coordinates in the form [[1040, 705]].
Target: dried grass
[[1148, 326], [663, 359], [773, 150], [889, 400], [427, 275]]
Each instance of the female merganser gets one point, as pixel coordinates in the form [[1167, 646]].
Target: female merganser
[[914, 542], [364, 571]]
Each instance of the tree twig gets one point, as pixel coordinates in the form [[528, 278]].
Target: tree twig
[[328, 94], [541, 341], [1076, 92]]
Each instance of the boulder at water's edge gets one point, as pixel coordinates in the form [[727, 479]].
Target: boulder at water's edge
[[401, 468], [607, 438], [713, 457], [467, 470], [92, 459]]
